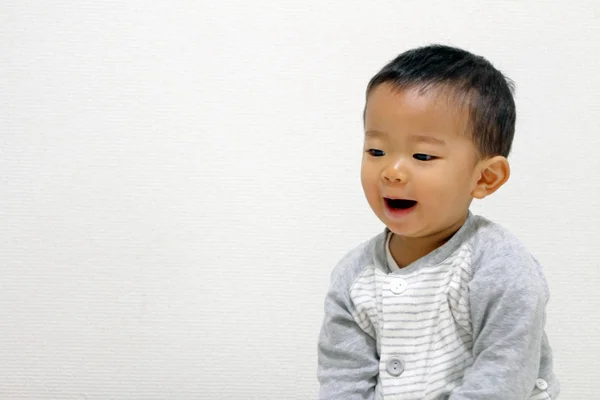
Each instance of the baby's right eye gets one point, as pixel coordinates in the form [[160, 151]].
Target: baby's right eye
[[375, 152]]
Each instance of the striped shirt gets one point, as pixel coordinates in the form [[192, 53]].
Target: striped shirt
[[464, 322]]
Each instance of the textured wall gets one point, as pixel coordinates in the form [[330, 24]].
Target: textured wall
[[178, 178]]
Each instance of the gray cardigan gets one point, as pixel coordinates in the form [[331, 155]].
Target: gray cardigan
[[464, 322]]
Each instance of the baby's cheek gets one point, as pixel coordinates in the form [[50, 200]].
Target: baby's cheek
[[443, 188]]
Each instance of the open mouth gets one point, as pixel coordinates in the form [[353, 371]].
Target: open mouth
[[400, 204]]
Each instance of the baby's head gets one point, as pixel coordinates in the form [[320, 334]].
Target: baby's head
[[439, 124]]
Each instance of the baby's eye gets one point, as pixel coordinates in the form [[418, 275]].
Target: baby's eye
[[424, 157], [375, 152]]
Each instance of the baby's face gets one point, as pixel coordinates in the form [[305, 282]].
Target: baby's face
[[419, 166]]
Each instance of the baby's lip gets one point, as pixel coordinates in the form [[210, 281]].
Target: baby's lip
[[398, 198]]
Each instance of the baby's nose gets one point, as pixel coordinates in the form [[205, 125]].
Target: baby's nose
[[395, 172]]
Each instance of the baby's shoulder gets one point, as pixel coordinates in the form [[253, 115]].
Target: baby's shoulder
[[356, 261], [499, 256]]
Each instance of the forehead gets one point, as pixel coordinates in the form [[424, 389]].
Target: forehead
[[415, 111]]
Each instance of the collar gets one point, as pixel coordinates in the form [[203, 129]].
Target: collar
[[433, 258]]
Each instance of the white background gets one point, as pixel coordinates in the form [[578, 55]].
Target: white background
[[179, 178]]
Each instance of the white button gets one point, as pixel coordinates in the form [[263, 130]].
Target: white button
[[541, 384], [394, 366], [398, 285]]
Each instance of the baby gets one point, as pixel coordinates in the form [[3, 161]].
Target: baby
[[443, 304]]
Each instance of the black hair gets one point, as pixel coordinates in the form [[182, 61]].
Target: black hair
[[470, 79]]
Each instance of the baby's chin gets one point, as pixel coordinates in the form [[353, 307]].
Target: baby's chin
[[415, 229], [409, 233], [407, 229]]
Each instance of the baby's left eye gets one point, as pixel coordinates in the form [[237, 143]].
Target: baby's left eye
[[424, 157]]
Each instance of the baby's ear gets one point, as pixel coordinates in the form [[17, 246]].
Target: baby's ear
[[493, 173]]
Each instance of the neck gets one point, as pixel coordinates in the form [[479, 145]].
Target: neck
[[406, 250]]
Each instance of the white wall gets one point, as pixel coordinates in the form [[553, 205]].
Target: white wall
[[178, 179]]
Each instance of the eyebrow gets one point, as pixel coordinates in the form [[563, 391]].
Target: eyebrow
[[428, 139], [419, 138], [375, 133]]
